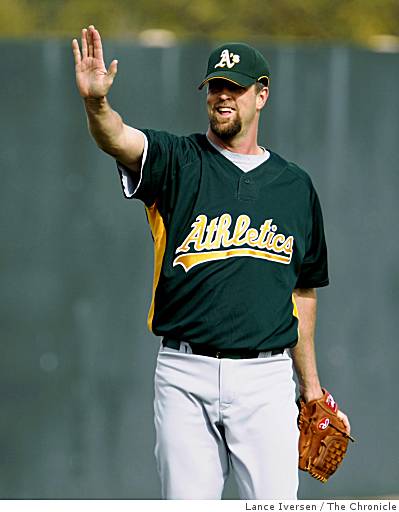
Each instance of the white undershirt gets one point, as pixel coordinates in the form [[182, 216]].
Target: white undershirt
[[244, 162]]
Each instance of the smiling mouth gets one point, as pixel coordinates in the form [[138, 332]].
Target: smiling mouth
[[224, 111]]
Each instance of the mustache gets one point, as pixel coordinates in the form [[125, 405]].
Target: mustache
[[224, 105]]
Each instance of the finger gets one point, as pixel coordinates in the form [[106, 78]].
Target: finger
[[97, 45], [84, 43], [345, 419], [113, 69], [76, 52], [90, 41]]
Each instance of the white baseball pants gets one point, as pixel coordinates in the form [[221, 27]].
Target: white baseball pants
[[216, 415]]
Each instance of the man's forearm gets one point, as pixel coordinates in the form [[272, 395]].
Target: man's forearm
[[112, 135], [303, 354], [105, 125]]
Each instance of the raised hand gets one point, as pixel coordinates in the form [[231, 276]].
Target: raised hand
[[92, 78]]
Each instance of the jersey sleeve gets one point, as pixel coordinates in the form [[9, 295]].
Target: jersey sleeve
[[131, 180], [314, 268], [163, 154]]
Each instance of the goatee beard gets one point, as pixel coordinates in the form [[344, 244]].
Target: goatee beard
[[225, 131]]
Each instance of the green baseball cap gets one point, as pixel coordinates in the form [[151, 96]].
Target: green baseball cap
[[239, 63]]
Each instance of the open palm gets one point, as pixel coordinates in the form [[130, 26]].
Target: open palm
[[92, 78]]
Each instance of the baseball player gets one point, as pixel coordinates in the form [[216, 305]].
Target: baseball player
[[239, 251]]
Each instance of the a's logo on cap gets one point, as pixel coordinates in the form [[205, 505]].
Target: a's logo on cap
[[227, 59]]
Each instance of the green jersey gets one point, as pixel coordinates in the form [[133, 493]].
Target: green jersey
[[230, 246]]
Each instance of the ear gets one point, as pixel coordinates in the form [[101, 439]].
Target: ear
[[261, 98]]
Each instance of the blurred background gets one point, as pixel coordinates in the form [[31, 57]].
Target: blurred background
[[76, 360]]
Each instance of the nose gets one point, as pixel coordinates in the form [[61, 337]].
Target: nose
[[224, 94]]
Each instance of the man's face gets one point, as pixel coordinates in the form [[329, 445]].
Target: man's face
[[231, 108]]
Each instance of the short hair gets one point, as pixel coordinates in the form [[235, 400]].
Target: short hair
[[259, 86]]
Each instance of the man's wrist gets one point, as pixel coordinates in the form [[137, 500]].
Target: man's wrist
[[95, 105], [313, 393]]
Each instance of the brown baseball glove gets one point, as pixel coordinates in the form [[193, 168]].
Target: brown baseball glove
[[323, 440]]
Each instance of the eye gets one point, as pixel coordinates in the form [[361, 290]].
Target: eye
[[237, 88], [216, 86]]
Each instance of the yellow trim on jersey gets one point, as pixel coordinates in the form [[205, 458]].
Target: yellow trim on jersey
[[188, 261], [295, 310], [159, 236], [296, 314]]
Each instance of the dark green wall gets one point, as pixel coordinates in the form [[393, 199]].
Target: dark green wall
[[77, 361]]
